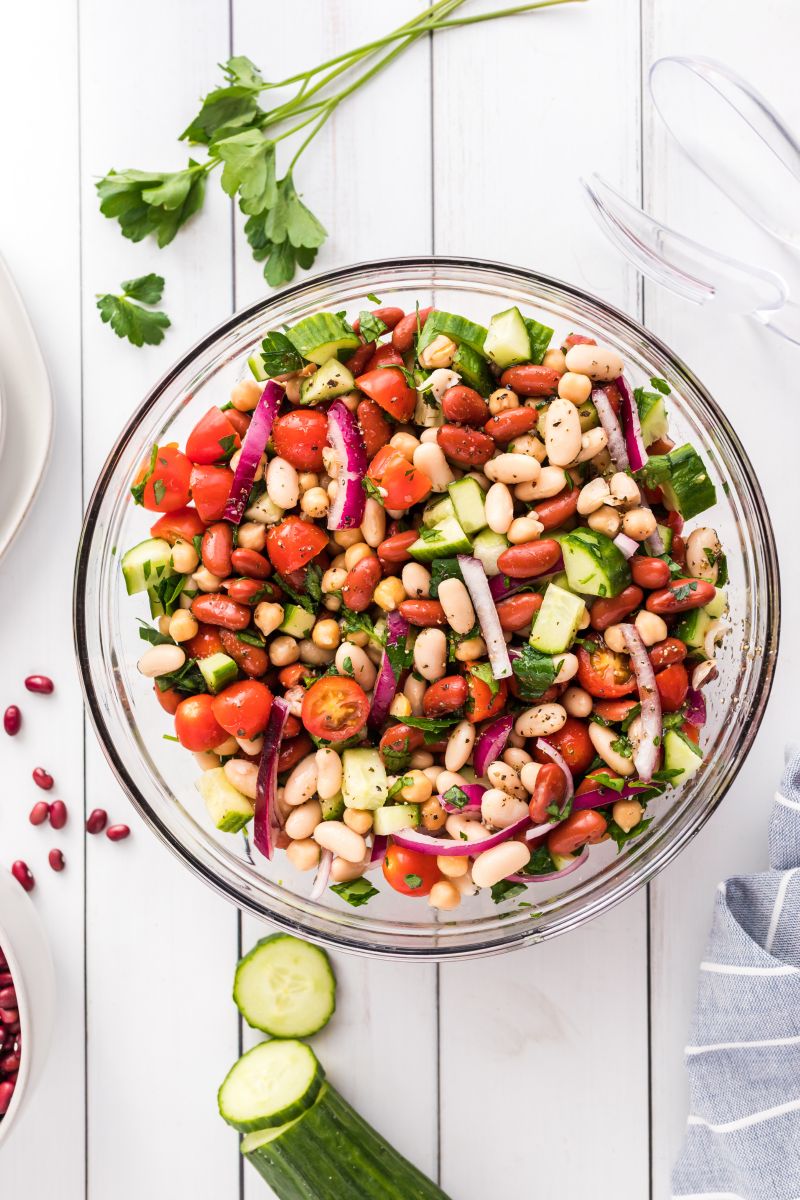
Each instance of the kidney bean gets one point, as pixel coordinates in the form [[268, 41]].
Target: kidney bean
[[515, 612], [216, 548], [576, 339], [245, 591], [467, 447], [609, 612], [649, 572], [292, 751], [290, 676], [426, 613], [22, 873], [58, 814], [216, 609], [117, 833], [357, 362], [6, 1093], [43, 779], [512, 423], [531, 380], [250, 563], [680, 596], [360, 584], [96, 821], [12, 720], [394, 550], [550, 788], [578, 829], [444, 696], [678, 550], [664, 654], [533, 558], [375, 428], [389, 316], [239, 420], [385, 356], [398, 744], [251, 659], [56, 860], [553, 513], [8, 997], [10, 1062], [42, 684], [292, 726], [406, 330], [39, 813], [464, 404]]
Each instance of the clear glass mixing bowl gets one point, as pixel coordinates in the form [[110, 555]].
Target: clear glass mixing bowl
[[159, 776]]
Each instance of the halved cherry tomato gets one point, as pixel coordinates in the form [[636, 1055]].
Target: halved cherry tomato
[[293, 543], [169, 699], [204, 643], [300, 436], [243, 708], [603, 673], [573, 743], [385, 356], [387, 386], [211, 487], [183, 523], [409, 872], [614, 710], [672, 684], [163, 479], [403, 483], [482, 701], [213, 439], [196, 726], [335, 708], [589, 783], [691, 731]]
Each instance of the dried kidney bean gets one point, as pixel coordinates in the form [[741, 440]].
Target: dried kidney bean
[[56, 860], [554, 512], [464, 404], [680, 596], [117, 833], [649, 572], [515, 612], [664, 654], [531, 380], [550, 787], [42, 684], [405, 330], [58, 814], [250, 563], [375, 428], [216, 547], [360, 584], [39, 813], [245, 591], [251, 659], [394, 550], [43, 779], [23, 875], [96, 821], [12, 720]]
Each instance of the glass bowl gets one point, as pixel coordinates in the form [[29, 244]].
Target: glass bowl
[[159, 776]]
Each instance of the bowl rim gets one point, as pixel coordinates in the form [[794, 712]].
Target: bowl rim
[[662, 853]]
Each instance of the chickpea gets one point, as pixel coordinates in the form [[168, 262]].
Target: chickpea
[[502, 400], [356, 553], [252, 536], [358, 819], [333, 579], [471, 649], [452, 865], [575, 388], [622, 490], [627, 814], [605, 520], [326, 635], [400, 706], [389, 593], [184, 557], [433, 815], [555, 360], [283, 651], [206, 582], [406, 443], [245, 395], [268, 617], [639, 523], [577, 702], [315, 502], [163, 625], [615, 640], [303, 855], [182, 625], [444, 895], [343, 871], [523, 530], [652, 628], [347, 537], [418, 790], [440, 353]]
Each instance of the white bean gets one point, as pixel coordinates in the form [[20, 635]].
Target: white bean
[[429, 458], [499, 809], [373, 526], [593, 495], [329, 773], [577, 702], [283, 486], [430, 654], [457, 605], [416, 580], [529, 774], [343, 871], [303, 820], [513, 468], [160, 660], [469, 826], [506, 778], [598, 362], [499, 508], [252, 746], [703, 551], [206, 760], [601, 738], [335, 836], [414, 691], [523, 530], [528, 443], [593, 442], [459, 746], [302, 782], [540, 720], [495, 864], [550, 483], [352, 660], [567, 667], [516, 758], [447, 779], [562, 432], [243, 775]]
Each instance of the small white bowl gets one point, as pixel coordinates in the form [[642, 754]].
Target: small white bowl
[[25, 945]]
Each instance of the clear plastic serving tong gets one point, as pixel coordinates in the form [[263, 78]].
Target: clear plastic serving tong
[[753, 159]]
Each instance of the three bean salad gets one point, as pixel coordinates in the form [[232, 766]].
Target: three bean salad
[[424, 602]]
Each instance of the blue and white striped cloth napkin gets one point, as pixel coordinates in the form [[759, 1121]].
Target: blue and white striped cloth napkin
[[743, 1057]]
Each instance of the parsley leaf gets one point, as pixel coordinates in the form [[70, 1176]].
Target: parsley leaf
[[373, 298], [187, 679], [441, 569], [456, 796], [621, 836], [535, 671], [152, 202], [540, 863], [372, 490], [279, 355], [154, 636], [130, 320], [413, 881], [370, 327], [356, 892], [356, 622], [398, 785], [484, 671], [249, 169], [226, 109], [685, 590], [137, 491], [660, 385], [433, 727], [506, 890]]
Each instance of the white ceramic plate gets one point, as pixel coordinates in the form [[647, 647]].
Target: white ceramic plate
[[26, 411]]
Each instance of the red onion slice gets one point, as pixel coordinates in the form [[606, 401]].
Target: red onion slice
[[598, 798], [322, 876], [387, 683], [573, 866], [551, 752], [626, 544], [645, 756], [539, 830], [478, 587], [344, 436], [473, 792], [449, 846], [378, 851], [612, 428], [253, 446], [634, 442], [696, 709], [491, 743], [268, 820]]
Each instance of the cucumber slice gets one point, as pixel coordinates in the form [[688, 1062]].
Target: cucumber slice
[[228, 808], [285, 987], [487, 546], [473, 370], [716, 607], [437, 511], [394, 817], [256, 364], [557, 621], [693, 627], [332, 807], [652, 415], [146, 564], [441, 541], [331, 380], [462, 331], [588, 415], [680, 755], [688, 489], [540, 337], [468, 499], [265, 511], [364, 782], [560, 861], [322, 336], [218, 670], [262, 1137], [666, 537], [297, 622], [271, 1085], [507, 342], [594, 565]]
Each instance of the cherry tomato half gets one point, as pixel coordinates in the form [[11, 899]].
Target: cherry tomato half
[[168, 699], [403, 483], [409, 872], [243, 708], [387, 387], [300, 436], [196, 726], [335, 708], [211, 487], [213, 439], [672, 684], [573, 743], [183, 523], [163, 479], [603, 673], [482, 700], [293, 543]]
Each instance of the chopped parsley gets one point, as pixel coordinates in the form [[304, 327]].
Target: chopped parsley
[[355, 892], [535, 671], [371, 327], [413, 881]]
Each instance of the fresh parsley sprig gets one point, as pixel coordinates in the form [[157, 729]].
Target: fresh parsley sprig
[[128, 318]]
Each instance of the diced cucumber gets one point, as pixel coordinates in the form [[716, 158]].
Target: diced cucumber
[[487, 546], [594, 565], [693, 627], [689, 489], [507, 342], [331, 380], [228, 808], [270, 1085], [560, 861], [146, 564], [540, 337], [588, 415], [437, 511], [323, 336], [440, 541], [459, 329], [265, 511], [652, 415], [332, 807], [256, 364], [716, 607], [667, 535], [218, 670], [473, 370], [297, 622], [682, 755], [394, 817], [285, 987], [364, 783], [557, 621], [428, 412], [468, 499]]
